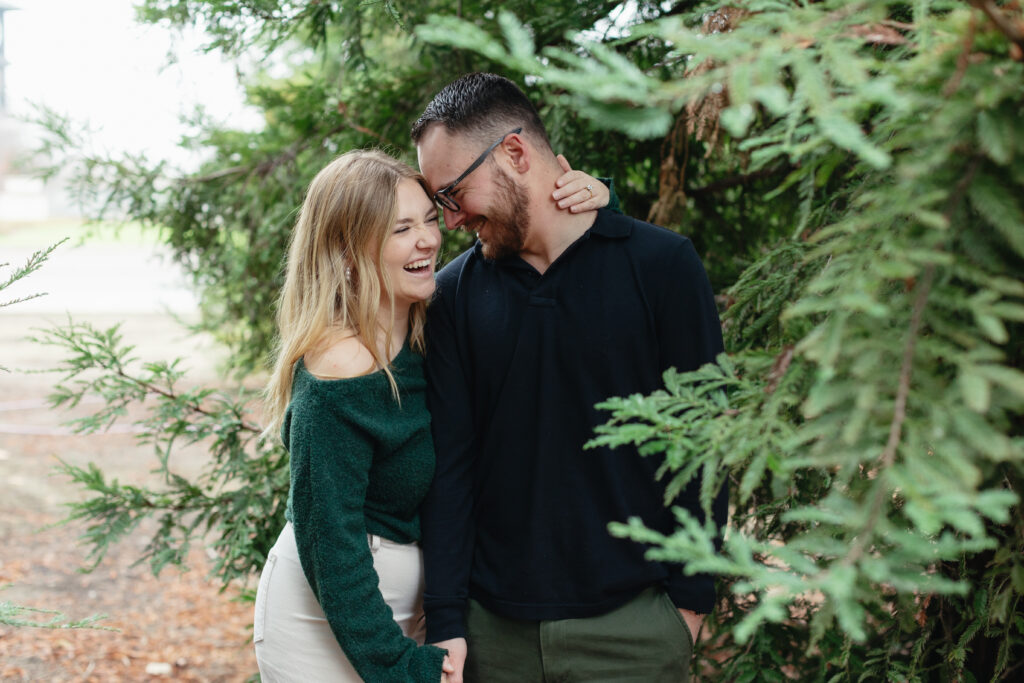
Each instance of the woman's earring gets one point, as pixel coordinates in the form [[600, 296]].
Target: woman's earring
[[348, 272]]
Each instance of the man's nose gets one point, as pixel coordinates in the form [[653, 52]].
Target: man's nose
[[453, 219]]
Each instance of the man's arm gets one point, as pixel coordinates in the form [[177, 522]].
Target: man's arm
[[446, 514], [689, 336]]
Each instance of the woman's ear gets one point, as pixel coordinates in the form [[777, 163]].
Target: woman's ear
[[346, 263]]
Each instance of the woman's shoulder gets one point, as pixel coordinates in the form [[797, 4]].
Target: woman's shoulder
[[334, 383], [343, 356]]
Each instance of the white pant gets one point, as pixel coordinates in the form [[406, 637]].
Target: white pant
[[293, 639]]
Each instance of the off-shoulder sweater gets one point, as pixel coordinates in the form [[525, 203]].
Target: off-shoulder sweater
[[361, 464]]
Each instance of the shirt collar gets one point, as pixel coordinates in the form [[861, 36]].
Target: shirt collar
[[611, 224]]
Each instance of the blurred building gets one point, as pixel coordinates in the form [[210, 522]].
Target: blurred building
[[22, 197], [4, 7]]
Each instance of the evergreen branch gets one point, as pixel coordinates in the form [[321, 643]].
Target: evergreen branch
[[216, 175], [906, 367], [22, 299], [962, 60], [366, 131], [272, 17], [265, 168], [11, 615], [888, 457], [736, 181], [195, 407], [32, 264], [97, 350], [1006, 26], [779, 368], [289, 154]]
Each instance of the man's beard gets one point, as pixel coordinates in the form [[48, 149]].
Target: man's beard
[[507, 222]]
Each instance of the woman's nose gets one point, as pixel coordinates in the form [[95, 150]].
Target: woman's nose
[[429, 237]]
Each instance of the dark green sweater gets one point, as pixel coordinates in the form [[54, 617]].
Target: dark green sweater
[[360, 464]]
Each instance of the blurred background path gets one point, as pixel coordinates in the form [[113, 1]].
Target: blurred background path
[[175, 627]]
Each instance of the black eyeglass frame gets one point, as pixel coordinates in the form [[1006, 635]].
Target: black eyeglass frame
[[442, 196]]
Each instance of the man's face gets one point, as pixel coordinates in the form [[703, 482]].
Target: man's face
[[490, 201]]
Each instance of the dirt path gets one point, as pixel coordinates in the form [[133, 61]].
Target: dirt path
[[175, 627]]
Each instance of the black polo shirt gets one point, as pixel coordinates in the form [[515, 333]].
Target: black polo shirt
[[518, 512]]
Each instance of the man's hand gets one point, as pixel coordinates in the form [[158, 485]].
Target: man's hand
[[455, 661], [446, 668], [693, 620]]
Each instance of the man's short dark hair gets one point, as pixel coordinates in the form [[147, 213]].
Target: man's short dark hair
[[483, 106]]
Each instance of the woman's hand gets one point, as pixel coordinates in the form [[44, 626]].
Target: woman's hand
[[577, 191]]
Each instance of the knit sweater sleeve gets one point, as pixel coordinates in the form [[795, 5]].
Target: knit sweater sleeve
[[330, 463]]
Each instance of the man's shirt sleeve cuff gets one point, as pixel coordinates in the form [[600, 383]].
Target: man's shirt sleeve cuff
[[444, 624], [695, 593]]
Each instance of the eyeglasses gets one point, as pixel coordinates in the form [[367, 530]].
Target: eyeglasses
[[443, 196]]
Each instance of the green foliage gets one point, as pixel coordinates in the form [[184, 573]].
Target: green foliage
[[10, 613], [34, 263], [355, 78], [239, 496], [869, 420], [14, 615], [861, 206]]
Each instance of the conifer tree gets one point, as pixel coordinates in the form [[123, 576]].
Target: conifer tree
[[12, 614], [853, 176], [869, 413]]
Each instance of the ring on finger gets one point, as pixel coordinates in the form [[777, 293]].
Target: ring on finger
[[590, 188]]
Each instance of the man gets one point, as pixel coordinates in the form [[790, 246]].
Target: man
[[547, 315]]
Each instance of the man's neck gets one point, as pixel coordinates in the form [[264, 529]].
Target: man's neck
[[552, 230]]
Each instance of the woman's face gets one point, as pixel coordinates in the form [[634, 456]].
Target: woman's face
[[410, 251]]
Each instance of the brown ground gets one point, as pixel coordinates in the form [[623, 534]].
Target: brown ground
[[176, 626]]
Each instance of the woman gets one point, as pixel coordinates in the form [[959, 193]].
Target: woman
[[340, 595]]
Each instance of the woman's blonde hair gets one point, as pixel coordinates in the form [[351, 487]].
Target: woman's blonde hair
[[334, 276]]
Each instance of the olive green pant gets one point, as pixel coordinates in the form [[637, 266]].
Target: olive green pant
[[644, 641]]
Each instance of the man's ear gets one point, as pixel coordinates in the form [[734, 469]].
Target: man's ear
[[518, 151]]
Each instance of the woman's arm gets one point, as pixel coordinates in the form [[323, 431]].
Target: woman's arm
[[330, 461]]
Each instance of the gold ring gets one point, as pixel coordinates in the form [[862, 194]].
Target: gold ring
[[590, 189]]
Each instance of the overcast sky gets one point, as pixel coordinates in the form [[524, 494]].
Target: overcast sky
[[90, 59]]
